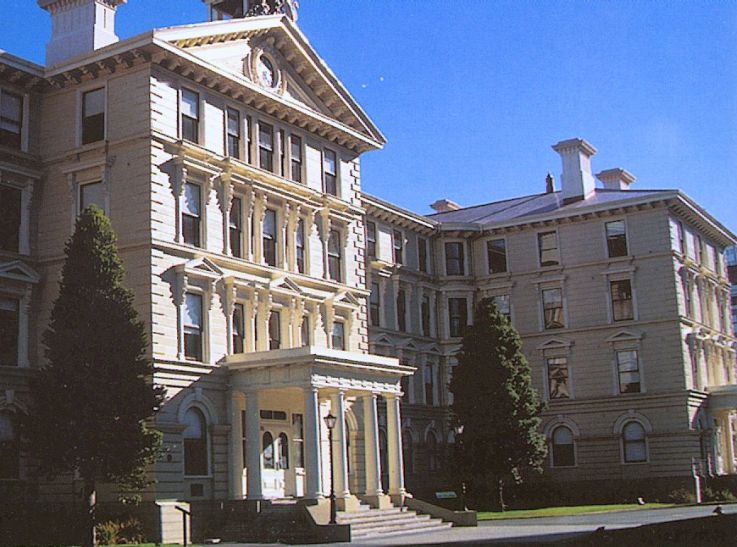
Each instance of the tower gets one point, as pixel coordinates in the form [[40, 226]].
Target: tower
[[79, 26], [236, 9]]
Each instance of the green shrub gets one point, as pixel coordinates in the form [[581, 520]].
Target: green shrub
[[723, 495], [681, 496], [115, 532]]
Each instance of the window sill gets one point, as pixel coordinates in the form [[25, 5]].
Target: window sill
[[197, 478], [89, 147]]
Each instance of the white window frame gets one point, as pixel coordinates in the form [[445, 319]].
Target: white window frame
[[106, 195], [200, 116], [205, 296], [610, 278], [403, 240], [195, 402], [558, 354], [323, 172], [466, 268], [606, 240], [621, 441], [622, 347], [243, 128], [541, 307], [506, 255], [539, 249]]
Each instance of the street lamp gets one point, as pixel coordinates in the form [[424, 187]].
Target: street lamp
[[459, 435], [330, 421]]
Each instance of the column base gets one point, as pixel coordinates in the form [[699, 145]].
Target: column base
[[379, 501], [398, 499], [349, 503]]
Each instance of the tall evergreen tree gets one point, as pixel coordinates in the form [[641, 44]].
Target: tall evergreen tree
[[495, 402], [92, 400]]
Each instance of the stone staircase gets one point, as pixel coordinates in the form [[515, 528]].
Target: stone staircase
[[368, 523]]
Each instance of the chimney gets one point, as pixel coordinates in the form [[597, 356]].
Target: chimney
[[577, 182], [79, 27], [616, 179], [445, 205], [549, 183]]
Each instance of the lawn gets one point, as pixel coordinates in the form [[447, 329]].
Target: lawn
[[566, 511]]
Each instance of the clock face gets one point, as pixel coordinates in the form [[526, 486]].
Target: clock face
[[266, 72]]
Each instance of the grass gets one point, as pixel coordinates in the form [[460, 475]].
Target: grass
[[566, 511]]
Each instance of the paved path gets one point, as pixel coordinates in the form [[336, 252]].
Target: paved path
[[545, 529]]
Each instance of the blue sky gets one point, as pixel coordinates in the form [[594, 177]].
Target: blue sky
[[471, 95]]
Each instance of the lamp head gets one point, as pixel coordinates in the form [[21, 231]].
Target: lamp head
[[330, 421]]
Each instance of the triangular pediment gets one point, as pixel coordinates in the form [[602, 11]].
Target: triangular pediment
[[19, 271], [346, 298], [624, 335], [285, 283], [555, 343], [300, 76], [381, 340], [203, 267]]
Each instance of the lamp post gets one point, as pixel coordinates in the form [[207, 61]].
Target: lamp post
[[459, 435], [330, 423]]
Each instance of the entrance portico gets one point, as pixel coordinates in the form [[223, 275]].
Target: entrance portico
[[278, 400]]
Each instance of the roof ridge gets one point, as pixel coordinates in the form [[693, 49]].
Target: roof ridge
[[528, 196]]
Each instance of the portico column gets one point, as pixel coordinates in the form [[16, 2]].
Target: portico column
[[729, 443], [313, 456], [394, 446], [235, 474], [253, 446], [340, 461], [371, 443]]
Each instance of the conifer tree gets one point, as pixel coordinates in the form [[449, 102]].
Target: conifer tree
[[495, 402], [92, 400]]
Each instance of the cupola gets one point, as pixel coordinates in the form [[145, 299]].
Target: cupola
[[79, 27], [237, 9]]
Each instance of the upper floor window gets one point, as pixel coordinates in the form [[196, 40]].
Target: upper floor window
[[283, 153], [371, 239], [553, 308], [429, 385], [338, 335], [265, 146], [425, 311], [628, 371], [193, 328], [11, 119], [402, 310], [190, 110], [239, 328], [496, 251], [274, 330], [457, 316], [300, 246], [9, 331], [634, 443], [616, 238], [454, 260], [269, 237], [195, 443], [334, 256], [563, 450], [295, 150], [558, 386], [92, 193], [621, 291], [9, 447], [422, 254], [687, 298], [93, 116], [398, 241], [680, 237], [698, 249], [375, 305], [249, 141], [305, 330], [549, 254], [235, 221], [10, 218], [234, 133], [191, 218], [330, 172]]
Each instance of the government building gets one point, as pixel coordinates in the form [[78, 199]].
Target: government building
[[275, 291]]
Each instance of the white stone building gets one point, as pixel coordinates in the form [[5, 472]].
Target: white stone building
[[275, 291]]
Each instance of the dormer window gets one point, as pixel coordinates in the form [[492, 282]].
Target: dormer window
[[11, 119], [93, 116]]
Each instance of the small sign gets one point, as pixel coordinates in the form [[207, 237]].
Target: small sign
[[446, 495]]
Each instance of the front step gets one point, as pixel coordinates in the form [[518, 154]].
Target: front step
[[371, 523]]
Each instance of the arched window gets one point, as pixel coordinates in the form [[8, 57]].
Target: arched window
[[634, 443], [268, 448], [195, 443], [9, 452], [408, 453], [432, 451], [283, 451], [563, 452]]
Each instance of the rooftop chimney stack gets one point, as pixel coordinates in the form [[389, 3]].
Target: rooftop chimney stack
[[549, 183], [79, 27], [616, 179], [577, 182], [444, 206]]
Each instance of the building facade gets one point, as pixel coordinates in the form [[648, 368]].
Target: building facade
[[275, 291]]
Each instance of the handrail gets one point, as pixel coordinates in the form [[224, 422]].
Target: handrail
[[185, 514]]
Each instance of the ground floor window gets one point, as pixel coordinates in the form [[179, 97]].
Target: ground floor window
[[8, 331], [563, 448], [634, 443], [195, 443], [9, 447]]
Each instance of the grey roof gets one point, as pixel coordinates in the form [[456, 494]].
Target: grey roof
[[539, 204]]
